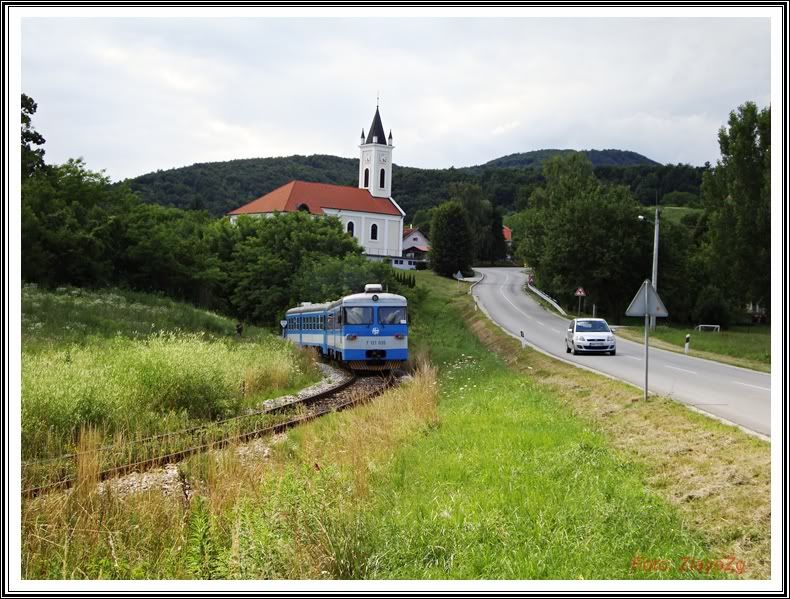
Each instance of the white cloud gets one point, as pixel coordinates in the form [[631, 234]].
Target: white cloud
[[134, 95]]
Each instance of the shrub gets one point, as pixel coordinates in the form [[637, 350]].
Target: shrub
[[712, 307]]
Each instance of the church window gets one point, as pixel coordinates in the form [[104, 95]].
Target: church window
[[374, 231], [381, 178], [350, 228], [367, 178]]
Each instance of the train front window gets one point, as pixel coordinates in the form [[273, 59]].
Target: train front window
[[395, 315], [359, 315]]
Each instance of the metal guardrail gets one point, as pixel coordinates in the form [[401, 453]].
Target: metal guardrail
[[545, 297]]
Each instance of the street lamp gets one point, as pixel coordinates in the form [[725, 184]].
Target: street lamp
[[654, 278]]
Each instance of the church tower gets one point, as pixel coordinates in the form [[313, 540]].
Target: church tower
[[375, 160]]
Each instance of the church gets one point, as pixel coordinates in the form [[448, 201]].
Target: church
[[367, 212]]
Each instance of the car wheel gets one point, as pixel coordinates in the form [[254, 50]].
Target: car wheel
[[573, 351], [613, 352], [567, 349]]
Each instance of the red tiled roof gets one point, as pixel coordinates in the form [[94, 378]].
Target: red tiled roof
[[407, 231], [317, 196], [422, 248], [507, 233]]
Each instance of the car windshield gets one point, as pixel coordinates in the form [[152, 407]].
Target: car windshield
[[395, 315], [359, 315], [591, 326]]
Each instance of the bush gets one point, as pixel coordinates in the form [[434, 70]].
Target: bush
[[712, 307]]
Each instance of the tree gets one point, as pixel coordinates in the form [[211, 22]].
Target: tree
[[267, 260], [451, 240], [32, 158], [736, 196], [578, 232]]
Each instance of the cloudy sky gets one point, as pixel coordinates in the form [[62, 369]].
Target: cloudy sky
[[132, 95]]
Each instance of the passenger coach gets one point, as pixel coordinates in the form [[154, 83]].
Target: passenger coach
[[365, 331]]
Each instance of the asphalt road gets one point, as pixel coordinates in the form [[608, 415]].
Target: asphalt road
[[734, 394]]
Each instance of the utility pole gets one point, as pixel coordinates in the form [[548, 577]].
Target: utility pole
[[654, 279]]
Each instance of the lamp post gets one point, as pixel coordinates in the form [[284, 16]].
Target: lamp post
[[654, 278]]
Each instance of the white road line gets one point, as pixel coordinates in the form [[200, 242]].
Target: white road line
[[556, 330], [632, 357], [755, 386], [540, 323], [681, 369], [507, 278]]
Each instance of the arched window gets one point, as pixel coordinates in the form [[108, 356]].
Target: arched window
[[304, 208], [350, 228], [374, 231], [381, 179], [367, 178]]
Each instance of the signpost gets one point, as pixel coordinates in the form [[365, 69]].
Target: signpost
[[646, 303], [458, 276], [283, 324], [580, 294], [531, 279]]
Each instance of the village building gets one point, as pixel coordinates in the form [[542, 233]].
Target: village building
[[368, 212]]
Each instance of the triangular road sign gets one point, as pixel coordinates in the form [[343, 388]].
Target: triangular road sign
[[652, 307]]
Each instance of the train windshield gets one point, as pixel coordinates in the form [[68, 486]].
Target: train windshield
[[359, 315], [395, 315]]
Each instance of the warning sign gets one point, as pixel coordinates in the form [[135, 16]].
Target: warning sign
[[580, 292]]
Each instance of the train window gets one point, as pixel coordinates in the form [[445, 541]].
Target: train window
[[394, 315], [359, 315]]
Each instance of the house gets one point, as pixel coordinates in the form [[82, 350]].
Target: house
[[368, 212], [507, 233], [415, 249]]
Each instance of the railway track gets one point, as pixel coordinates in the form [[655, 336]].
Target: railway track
[[352, 391]]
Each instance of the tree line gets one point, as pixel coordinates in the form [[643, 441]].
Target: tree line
[[219, 187], [581, 230], [79, 229]]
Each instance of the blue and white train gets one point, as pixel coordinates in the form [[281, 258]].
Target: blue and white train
[[365, 331]]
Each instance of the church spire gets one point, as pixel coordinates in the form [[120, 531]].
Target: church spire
[[376, 133]]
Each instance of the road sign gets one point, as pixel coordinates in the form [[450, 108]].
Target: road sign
[[459, 275], [580, 292], [650, 306], [283, 323], [531, 279]]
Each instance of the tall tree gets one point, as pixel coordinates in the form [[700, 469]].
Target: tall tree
[[32, 157], [451, 239], [737, 200]]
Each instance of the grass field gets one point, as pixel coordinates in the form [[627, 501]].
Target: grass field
[[676, 213], [132, 365], [495, 462], [745, 346]]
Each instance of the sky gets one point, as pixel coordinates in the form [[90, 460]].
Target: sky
[[134, 95]]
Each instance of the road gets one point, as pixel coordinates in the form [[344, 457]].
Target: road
[[734, 394]]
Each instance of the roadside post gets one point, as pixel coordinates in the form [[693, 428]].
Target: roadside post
[[523, 340], [646, 303], [686, 347], [458, 276], [283, 324], [580, 294]]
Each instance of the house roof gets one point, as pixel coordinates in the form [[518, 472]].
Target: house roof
[[315, 197], [507, 233], [422, 248], [377, 130], [411, 230]]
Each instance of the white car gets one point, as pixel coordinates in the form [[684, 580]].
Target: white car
[[590, 335]]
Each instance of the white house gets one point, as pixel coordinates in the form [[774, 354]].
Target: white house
[[367, 212]]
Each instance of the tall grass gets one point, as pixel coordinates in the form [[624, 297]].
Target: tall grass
[[85, 362]]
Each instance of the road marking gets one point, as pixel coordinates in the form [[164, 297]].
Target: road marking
[[755, 386], [507, 278], [540, 323], [556, 330], [632, 357], [681, 369]]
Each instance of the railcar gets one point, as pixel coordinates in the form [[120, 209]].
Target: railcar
[[364, 331]]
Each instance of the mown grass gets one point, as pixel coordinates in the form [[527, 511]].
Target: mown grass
[[495, 463], [131, 366], [745, 346]]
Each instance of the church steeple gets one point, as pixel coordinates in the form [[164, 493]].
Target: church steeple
[[375, 159]]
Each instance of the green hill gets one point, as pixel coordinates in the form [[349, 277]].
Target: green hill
[[219, 187], [597, 157]]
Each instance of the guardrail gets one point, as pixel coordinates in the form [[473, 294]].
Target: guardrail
[[546, 298]]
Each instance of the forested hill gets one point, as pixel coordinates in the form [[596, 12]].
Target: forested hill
[[219, 187], [597, 157]]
